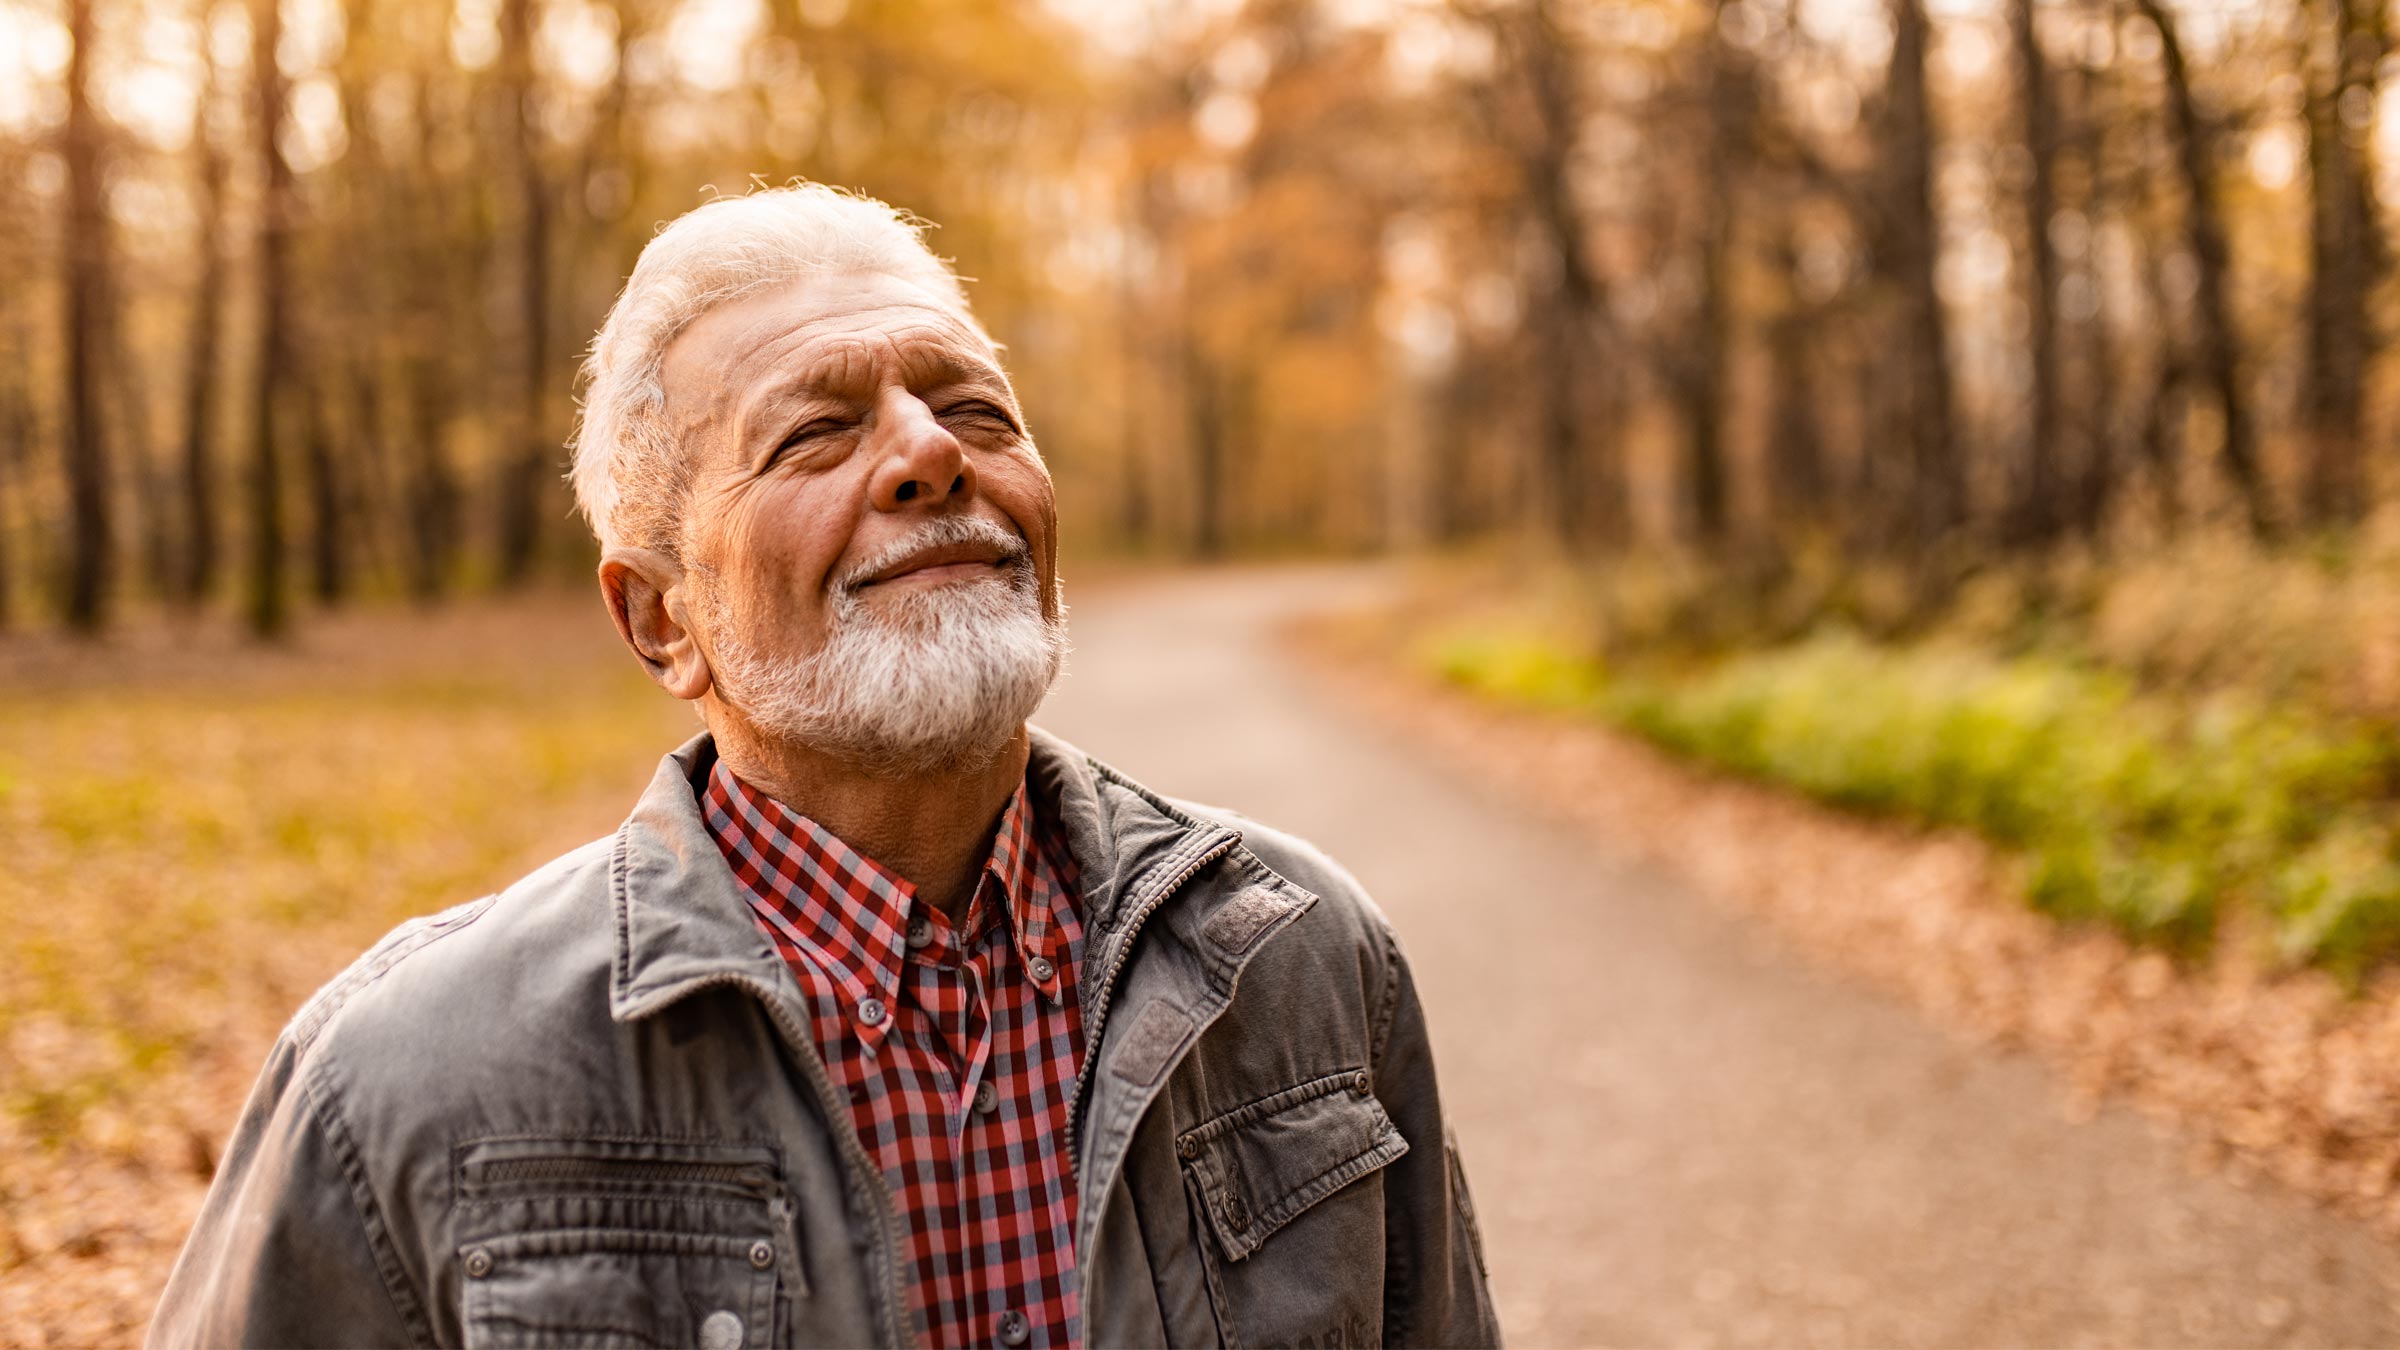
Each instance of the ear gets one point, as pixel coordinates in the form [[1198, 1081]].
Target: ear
[[644, 591]]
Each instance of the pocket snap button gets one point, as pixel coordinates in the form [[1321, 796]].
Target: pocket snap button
[[479, 1263], [1187, 1148], [762, 1254], [1237, 1214], [721, 1330]]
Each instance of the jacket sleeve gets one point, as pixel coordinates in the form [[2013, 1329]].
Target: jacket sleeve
[[288, 1250], [1435, 1290]]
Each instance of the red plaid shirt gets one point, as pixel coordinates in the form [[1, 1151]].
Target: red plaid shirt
[[959, 1047]]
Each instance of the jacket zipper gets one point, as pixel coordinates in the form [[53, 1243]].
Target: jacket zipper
[[845, 1133], [739, 1176], [1108, 986]]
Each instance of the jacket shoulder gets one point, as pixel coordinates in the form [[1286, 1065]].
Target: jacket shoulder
[[459, 962], [1338, 970], [1297, 861]]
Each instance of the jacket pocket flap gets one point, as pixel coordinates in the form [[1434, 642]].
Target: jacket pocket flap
[[596, 1287], [1259, 1167]]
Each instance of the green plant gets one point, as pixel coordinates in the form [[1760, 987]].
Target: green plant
[[2142, 810]]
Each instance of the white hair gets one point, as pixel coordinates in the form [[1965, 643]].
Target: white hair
[[934, 679], [631, 479]]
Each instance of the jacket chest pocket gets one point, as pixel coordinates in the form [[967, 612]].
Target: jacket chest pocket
[[622, 1243], [1290, 1191]]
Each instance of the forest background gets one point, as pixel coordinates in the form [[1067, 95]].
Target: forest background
[[1975, 411], [2053, 328], [1972, 412]]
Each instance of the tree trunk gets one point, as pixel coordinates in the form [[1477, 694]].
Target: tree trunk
[[2038, 506], [2341, 57], [1727, 114], [525, 458], [269, 614], [16, 432], [426, 329], [198, 574], [1204, 401], [432, 488], [1576, 475], [1920, 414], [2219, 355], [1796, 474], [85, 240], [329, 524]]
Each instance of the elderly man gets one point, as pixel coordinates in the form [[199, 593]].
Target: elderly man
[[885, 1018]]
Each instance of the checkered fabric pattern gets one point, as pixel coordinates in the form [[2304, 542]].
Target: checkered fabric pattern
[[958, 1045]]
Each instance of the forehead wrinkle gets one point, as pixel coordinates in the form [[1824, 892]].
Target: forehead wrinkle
[[851, 366]]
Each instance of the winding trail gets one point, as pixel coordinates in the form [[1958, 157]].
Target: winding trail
[[1676, 1134]]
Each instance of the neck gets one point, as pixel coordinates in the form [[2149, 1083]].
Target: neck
[[933, 830]]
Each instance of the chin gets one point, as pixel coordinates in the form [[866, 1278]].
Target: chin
[[933, 680]]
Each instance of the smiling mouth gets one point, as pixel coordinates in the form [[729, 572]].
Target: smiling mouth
[[938, 573], [943, 564]]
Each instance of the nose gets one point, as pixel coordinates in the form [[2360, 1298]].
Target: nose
[[920, 463]]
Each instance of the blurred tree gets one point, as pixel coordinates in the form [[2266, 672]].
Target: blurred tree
[[2219, 355], [2344, 50], [272, 370], [1577, 489], [85, 241], [2040, 497], [526, 455], [202, 369], [1697, 369], [1916, 416]]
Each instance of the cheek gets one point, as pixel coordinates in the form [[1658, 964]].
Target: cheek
[[1020, 486], [800, 530], [778, 548]]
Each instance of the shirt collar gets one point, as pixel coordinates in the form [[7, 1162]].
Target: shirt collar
[[849, 915]]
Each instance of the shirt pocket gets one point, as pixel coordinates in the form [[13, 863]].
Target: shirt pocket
[[1290, 1191], [622, 1242]]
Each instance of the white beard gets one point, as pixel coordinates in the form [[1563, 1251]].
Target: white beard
[[923, 680]]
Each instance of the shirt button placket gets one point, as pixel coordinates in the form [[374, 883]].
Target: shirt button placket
[[987, 1098]]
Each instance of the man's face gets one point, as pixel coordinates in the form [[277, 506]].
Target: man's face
[[869, 523], [831, 417]]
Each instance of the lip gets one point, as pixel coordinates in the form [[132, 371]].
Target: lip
[[943, 563]]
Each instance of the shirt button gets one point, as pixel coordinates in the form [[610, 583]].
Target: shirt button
[[871, 1012], [1014, 1329], [1041, 969], [987, 1097], [920, 932]]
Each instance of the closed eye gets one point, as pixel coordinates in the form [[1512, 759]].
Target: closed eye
[[809, 431], [979, 409]]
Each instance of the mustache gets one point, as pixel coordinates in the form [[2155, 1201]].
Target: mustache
[[940, 532]]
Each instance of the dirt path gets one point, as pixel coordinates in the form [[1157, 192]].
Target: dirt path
[[1678, 1133]]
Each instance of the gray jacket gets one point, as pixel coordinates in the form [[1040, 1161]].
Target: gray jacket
[[588, 1111]]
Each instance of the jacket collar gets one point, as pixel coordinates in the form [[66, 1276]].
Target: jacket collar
[[683, 922]]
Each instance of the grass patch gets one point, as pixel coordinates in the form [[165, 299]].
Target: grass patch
[[2146, 812]]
